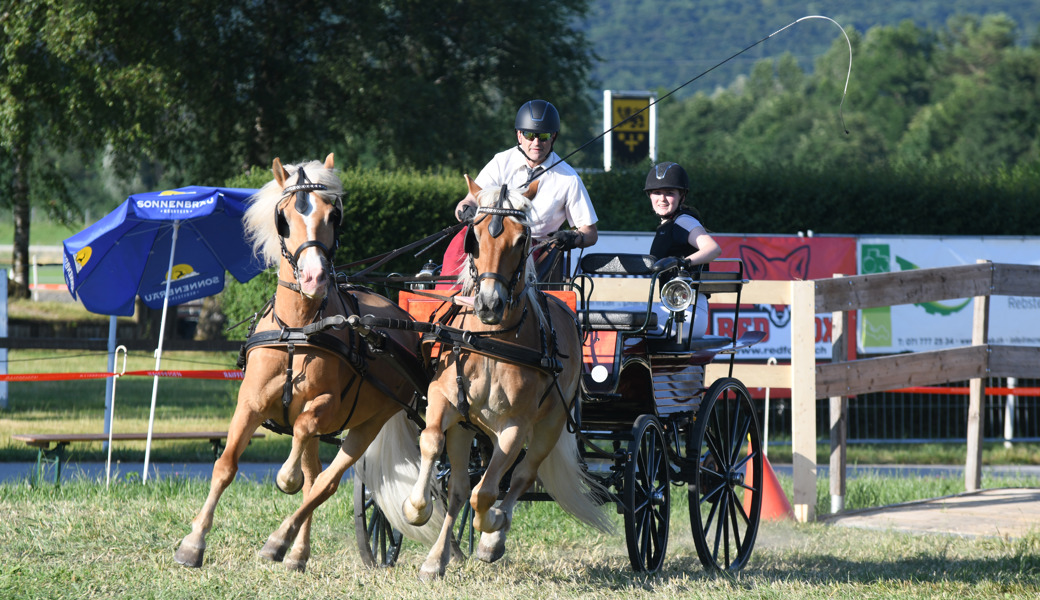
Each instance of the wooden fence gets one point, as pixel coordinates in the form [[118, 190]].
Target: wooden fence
[[841, 378]]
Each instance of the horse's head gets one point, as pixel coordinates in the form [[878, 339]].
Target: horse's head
[[499, 248], [295, 219]]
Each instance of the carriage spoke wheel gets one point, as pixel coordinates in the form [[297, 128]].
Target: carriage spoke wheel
[[646, 495], [378, 542], [724, 505]]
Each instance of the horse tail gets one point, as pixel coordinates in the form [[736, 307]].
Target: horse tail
[[390, 468], [564, 477]]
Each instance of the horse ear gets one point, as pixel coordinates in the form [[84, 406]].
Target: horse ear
[[472, 185], [531, 190], [280, 174], [329, 161]]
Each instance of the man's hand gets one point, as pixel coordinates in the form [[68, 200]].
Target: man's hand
[[566, 239], [466, 212]]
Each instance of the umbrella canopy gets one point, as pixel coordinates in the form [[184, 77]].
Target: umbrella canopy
[[168, 247], [127, 252]]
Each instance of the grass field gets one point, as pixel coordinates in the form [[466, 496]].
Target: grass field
[[85, 541]]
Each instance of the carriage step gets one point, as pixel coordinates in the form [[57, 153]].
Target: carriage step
[[598, 398]]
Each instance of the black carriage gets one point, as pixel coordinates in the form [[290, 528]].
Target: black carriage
[[647, 420]]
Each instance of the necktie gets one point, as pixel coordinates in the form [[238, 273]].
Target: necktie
[[532, 173]]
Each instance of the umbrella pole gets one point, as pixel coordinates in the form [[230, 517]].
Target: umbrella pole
[[158, 352]]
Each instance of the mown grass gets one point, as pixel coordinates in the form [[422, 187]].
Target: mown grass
[[85, 541]]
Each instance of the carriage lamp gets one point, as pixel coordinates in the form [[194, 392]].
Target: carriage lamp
[[429, 271], [677, 295]]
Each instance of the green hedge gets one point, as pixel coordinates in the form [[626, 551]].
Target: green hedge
[[387, 210]]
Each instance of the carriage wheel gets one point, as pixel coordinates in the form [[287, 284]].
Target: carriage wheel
[[646, 495], [723, 441], [378, 541]]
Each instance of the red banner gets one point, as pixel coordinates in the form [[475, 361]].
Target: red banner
[[228, 375]]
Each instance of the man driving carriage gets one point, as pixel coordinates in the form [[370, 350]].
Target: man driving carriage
[[561, 194]]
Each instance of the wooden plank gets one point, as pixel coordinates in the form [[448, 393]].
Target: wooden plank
[[45, 439], [900, 370], [1016, 280], [1014, 361], [759, 292], [904, 287], [632, 289], [752, 375], [979, 337], [803, 399]]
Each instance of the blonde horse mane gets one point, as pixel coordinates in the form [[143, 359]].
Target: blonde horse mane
[[260, 228], [516, 201]]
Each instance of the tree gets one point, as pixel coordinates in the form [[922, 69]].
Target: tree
[[199, 91], [56, 92]]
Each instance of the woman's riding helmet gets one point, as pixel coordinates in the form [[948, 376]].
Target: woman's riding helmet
[[538, 116], [667, 175]]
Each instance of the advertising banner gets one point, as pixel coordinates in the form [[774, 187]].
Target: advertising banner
[[781, 258], [947, 324]]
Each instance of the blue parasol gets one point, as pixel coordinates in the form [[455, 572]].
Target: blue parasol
[[168, 247]]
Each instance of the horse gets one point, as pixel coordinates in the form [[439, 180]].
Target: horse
[[514, 402], [308, 376]]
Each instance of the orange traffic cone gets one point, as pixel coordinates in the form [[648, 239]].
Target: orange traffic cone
[[775, 505]]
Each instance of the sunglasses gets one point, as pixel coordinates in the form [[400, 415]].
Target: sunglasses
[[530, 135]]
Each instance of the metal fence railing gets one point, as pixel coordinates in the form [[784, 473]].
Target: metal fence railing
[[899, 417]]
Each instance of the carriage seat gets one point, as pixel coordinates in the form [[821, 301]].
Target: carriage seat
[[618, 264], [621, 320]]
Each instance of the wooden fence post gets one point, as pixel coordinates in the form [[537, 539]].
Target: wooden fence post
[[839, 409], [803, 398], [976, 390]]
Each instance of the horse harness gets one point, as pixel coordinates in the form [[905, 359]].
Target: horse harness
[[302, 188], [495, 228]]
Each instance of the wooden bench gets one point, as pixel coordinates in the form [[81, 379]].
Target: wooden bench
[[56, 455]]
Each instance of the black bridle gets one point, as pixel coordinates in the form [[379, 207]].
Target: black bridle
[[495, 229], [302, 188]]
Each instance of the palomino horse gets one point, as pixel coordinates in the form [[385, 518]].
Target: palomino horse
[[514, 402], [308, 379]]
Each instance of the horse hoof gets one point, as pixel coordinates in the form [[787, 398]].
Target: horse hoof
[[285, 490], [189, 556], [295, 565], [414, 516], [427, 575], [490, 555], [273, 550]]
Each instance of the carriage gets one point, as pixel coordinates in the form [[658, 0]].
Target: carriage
[[519, 393], [646, 419]]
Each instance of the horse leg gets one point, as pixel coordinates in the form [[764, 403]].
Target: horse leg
[[493, 544], [418, 507], [459, 441], [289, 478], [325, 485], [486, 517], [301, 550], [243, 424]]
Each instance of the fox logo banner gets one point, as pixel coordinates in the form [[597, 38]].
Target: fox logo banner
[[781, 258]]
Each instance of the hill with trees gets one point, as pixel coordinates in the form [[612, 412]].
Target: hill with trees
[[655, 45]]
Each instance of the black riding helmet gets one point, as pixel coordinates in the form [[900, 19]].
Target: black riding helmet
[[667, 175], [538, 116]]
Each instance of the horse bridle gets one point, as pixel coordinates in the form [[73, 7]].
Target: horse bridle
[[302, 188], [495, 229]]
